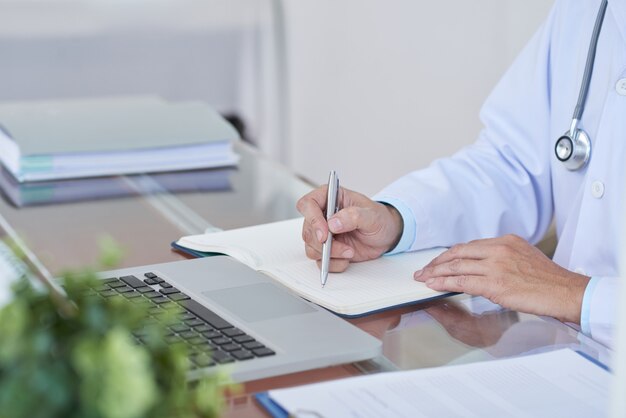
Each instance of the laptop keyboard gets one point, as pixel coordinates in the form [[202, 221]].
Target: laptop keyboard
[[210, 338]]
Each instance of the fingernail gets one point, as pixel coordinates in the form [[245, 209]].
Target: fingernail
[[335, 225], [319, 235], [348, 253]]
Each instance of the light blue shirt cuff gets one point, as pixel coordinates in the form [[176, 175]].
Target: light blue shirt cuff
[[585, 311], [408, 233]]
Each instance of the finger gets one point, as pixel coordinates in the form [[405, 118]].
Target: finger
[[312, 206], [455, 267], [477, 250], [367, 220], [337, 265], [312, 252], [472, 285], [337, 250], [340, 249]]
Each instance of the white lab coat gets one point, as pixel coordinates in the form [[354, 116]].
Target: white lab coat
[[510, 181]]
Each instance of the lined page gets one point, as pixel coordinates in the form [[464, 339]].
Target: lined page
[[261, 245], [363, 287], [554, 384]]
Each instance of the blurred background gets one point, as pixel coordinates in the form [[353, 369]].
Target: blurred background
[[371, 88]]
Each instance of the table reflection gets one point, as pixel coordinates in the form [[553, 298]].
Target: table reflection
[[464, 329]]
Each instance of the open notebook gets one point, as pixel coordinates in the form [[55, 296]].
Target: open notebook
[[277, 250]]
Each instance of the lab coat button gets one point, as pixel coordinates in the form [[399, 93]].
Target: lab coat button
[[620, 87], [597, 189]]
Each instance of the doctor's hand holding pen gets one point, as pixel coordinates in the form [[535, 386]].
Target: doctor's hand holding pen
[[364, 229]]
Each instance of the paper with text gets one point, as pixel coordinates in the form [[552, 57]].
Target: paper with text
[[556, 384]]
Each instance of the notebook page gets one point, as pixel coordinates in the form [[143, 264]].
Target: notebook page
[[363, 287], [555, 384], [256, 246]]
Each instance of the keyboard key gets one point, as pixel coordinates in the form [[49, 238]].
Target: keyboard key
[[144, 289], [110, 280], [173, 339], [108, 293], [132, 281], [124, 289], [179, 328], [158, 279], [160, 300], [230, 347], [196, 340], [186, 315], [170, 320], [103, 288], [194, 322], [252, 345], [221, 340], [132, 295], [203, 360], [151, 282], [116, 284], [169, 291], [242, 355], [211, 334], [204, 328], [204, 348], [243, 339], [263, 352], [222, 357], [152, 295], [150, 275], [205, 314], [232, 332], [176, 297], [165, 285], [188, 334]]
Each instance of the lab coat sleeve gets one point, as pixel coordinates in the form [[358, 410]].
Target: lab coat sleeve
[[500, 184], [599, 309]]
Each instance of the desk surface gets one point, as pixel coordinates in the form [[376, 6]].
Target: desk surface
[[459, 329]]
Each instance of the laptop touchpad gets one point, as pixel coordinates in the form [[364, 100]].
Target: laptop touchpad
[[259, 302]]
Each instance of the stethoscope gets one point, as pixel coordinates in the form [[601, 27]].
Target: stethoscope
[[573, 149]]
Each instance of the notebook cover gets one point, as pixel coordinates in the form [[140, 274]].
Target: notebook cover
[[194, 253], [594, 361]]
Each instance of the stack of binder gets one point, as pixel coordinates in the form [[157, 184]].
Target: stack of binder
[[77, 138], [97, 188]]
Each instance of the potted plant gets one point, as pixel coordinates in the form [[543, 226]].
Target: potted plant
[[78, 356]]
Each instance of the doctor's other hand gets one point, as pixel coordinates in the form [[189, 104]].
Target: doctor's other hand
[[362, 229], [510, 272]]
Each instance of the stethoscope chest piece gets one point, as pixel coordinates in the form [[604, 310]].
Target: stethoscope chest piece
[[573, 149]]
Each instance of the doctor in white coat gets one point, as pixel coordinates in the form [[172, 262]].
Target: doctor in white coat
[[493, 199]]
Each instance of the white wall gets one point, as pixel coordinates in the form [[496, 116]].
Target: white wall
[[377, 88], [218, 51]]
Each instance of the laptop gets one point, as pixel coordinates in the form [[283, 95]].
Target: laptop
[[237, 315]]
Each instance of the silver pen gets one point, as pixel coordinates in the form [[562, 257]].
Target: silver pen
[[331, 209]]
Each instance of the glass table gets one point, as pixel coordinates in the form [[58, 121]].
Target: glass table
[[144, 214]]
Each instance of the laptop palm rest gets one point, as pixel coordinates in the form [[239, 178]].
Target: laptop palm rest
[[258, 302]]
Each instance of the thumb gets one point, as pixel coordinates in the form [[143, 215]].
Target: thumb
[[354, 218]]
